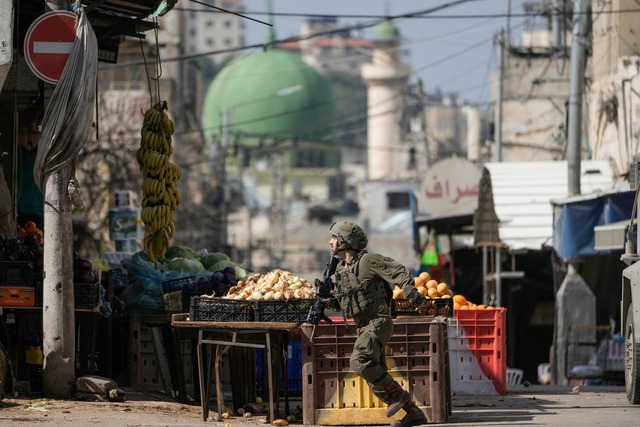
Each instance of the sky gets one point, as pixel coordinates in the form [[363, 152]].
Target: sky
[[453, 50]]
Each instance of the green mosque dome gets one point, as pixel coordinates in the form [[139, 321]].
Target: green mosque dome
[[385, 31], [269, 94]]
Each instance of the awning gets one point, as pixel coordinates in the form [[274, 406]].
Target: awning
[[575, 220]]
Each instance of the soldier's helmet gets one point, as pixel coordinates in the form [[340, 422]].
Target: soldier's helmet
[[350, 233]]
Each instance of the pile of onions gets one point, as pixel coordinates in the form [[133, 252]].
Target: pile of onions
[[275, 285]]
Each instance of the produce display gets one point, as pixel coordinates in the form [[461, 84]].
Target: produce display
[[83, 271], [30, 234], [275, 285], [160, 193], [216, 284], [27, 246], [461, 303], [428, 287]]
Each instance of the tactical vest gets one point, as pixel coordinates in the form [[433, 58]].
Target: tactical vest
[[356, 297]]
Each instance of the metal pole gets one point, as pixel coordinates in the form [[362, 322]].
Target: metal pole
[[498, 260], [574, 139], [556, 27], [222, 177], [485, 285], [498, 110]]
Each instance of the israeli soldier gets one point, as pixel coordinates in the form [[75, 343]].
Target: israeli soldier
[[363, 282]]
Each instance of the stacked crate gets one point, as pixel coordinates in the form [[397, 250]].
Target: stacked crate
[[417, 358], [477, 348], [17, 279]]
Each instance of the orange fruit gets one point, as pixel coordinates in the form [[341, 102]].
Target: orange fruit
[[432, 284], [456, 306], [397, 293], [442, 288], [424, 276], [460, 299], [432, 292], [422, 290], [417, 282]]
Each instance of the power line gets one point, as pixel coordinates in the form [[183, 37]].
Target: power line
[[359, 26], [367, 16]]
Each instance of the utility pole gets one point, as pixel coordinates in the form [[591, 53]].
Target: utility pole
[[574, 140], [575, 301], [277, 208], [221, 178], [556, 25], [497, 132]]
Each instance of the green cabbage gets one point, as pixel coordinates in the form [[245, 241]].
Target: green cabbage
[[209, 259], [181, 252], [186, 265]]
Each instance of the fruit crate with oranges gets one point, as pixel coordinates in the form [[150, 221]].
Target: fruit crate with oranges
[[439, 298], [431, 307]]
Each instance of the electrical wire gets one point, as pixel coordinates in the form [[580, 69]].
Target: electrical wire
[[360, 26], [376, 16]]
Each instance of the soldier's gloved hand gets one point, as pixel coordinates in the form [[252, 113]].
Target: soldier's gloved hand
[[416, 298]]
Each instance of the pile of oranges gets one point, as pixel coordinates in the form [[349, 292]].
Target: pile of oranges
[[432, 289], [461, 303], [428, 287]]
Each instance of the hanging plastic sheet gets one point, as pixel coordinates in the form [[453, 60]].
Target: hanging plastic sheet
[[69, 114], [575, 218]]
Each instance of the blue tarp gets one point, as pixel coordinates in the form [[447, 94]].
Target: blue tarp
[[574, 219]]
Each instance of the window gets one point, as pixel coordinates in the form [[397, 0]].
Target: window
[[398, 200]]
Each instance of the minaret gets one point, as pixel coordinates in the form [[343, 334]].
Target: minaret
[[386, 80]]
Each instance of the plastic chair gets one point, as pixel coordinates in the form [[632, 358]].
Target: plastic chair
[[514, 376]]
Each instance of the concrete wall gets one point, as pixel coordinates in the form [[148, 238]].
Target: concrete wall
[[614, 95]]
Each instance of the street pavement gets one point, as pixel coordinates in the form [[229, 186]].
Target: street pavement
[[547, 406]]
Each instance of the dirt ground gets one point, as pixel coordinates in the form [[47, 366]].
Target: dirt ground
[[542, 406], [140, 408]]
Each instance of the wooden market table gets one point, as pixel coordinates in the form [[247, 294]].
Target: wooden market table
[[224, 335]]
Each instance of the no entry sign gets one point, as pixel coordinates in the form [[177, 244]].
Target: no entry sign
[[48, 43]]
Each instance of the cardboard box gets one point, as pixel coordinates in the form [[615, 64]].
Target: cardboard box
[[17, 296]]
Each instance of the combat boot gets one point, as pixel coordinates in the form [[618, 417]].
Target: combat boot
[[395, 397], [414, 416]]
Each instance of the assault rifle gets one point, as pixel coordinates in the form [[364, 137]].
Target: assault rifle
[[324, 287]]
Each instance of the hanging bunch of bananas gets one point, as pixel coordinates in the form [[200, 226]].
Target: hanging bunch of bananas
[[160, 194]]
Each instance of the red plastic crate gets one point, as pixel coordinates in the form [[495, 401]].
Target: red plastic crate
[[477, 350], [417, 358]]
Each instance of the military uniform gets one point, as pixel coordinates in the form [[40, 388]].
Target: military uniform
[[364, 292]]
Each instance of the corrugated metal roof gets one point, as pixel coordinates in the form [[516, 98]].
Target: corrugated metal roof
[[522, 194]]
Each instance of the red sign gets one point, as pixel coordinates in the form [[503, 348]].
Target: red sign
[[48, 43]]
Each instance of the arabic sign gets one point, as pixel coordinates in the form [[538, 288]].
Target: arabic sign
[[450, 186]]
